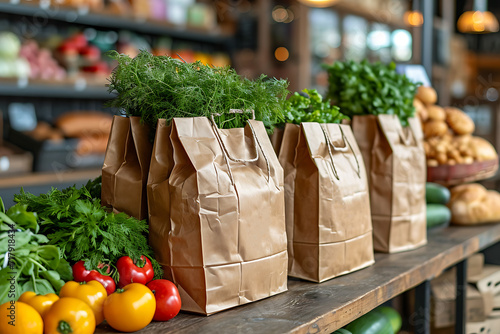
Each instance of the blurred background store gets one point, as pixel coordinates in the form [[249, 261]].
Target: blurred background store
[[53, 67]]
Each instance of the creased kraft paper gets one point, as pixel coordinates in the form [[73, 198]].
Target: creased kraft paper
[[216, 213]]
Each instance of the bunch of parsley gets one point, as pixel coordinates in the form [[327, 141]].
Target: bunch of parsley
[[310, 107], [371, 88], [76, 222], [154, 87]]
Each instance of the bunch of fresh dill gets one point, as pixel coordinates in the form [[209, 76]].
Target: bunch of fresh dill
[[155, 87]]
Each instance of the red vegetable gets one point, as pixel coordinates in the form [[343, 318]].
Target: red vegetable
[[130, 272], [168, 300], [82, 274]]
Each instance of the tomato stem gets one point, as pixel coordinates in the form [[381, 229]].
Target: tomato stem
[[64, 327], [120, 290]]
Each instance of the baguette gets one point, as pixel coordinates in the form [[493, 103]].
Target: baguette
[[84, 123]]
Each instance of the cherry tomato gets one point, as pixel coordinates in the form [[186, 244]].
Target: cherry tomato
[[140, 271], [168, 300], [92, 293], [69, 316], [131, 308]]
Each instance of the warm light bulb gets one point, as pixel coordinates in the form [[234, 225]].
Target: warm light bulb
[[318, 3], [477, 22], [414, 18], [281, 53]]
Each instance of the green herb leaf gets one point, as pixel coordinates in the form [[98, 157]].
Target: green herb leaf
[[365, 88], [154, 87]]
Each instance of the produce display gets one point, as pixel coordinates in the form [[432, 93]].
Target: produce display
[[41, 235], [448, 133]]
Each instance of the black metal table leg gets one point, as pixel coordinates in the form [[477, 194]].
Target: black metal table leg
[[460, 316], [422, 319]]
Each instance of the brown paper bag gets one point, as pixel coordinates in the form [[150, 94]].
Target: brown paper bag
[[395, 160], [216, 213], [328, 217], [126, 167]]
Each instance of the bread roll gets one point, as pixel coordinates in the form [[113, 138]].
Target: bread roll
[[473, 204], [436, 113], [434, 129], [84, 123], [481, 149], [426, 94], [459, 121]]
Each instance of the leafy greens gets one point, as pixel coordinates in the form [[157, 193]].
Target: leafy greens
[[311, 108], [28, 262], [371, 88], [155, 87], [83, 229]]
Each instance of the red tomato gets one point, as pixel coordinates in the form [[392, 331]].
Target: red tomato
[[168, 300], [134, 272]]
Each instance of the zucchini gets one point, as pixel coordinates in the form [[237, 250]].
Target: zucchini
[[436, 193], [393, 316], [437, 215], [342, 331], [372, 322]]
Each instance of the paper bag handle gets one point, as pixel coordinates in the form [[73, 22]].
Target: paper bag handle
[[405, 139], [347, 145], [255, 141]]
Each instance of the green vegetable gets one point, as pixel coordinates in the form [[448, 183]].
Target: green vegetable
[[393, 316], [370, 89], [154, 87], [27, 262], [311, 108], [436, 193], [342, 331], [437, 215], [76, 222], [382, 320]]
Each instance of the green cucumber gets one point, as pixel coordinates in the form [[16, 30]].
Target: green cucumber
[[436, 193], [393, 316], [342, 331], [372, 322], [437, 215]]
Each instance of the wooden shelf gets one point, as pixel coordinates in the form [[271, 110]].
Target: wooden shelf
[[49, 178], [79, 88], [322, 308], [83, 16]]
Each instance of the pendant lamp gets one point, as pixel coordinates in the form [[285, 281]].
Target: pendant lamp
[[318, 3], [479, 20]]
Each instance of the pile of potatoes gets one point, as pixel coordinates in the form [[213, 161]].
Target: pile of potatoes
[[448, 132]]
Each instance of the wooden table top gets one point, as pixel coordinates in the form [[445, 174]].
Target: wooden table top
[[322, 308]]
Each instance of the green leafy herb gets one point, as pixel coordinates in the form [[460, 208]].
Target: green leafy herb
[[365, 88], [154, 87], [27, 262], [311, 108], [76, 222]]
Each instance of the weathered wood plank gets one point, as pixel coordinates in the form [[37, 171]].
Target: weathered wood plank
[[322, 308]]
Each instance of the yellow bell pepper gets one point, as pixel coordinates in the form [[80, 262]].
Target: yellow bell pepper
[[20, 318], [69, 315], [93, 293], [41, 303], [131, 308]]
